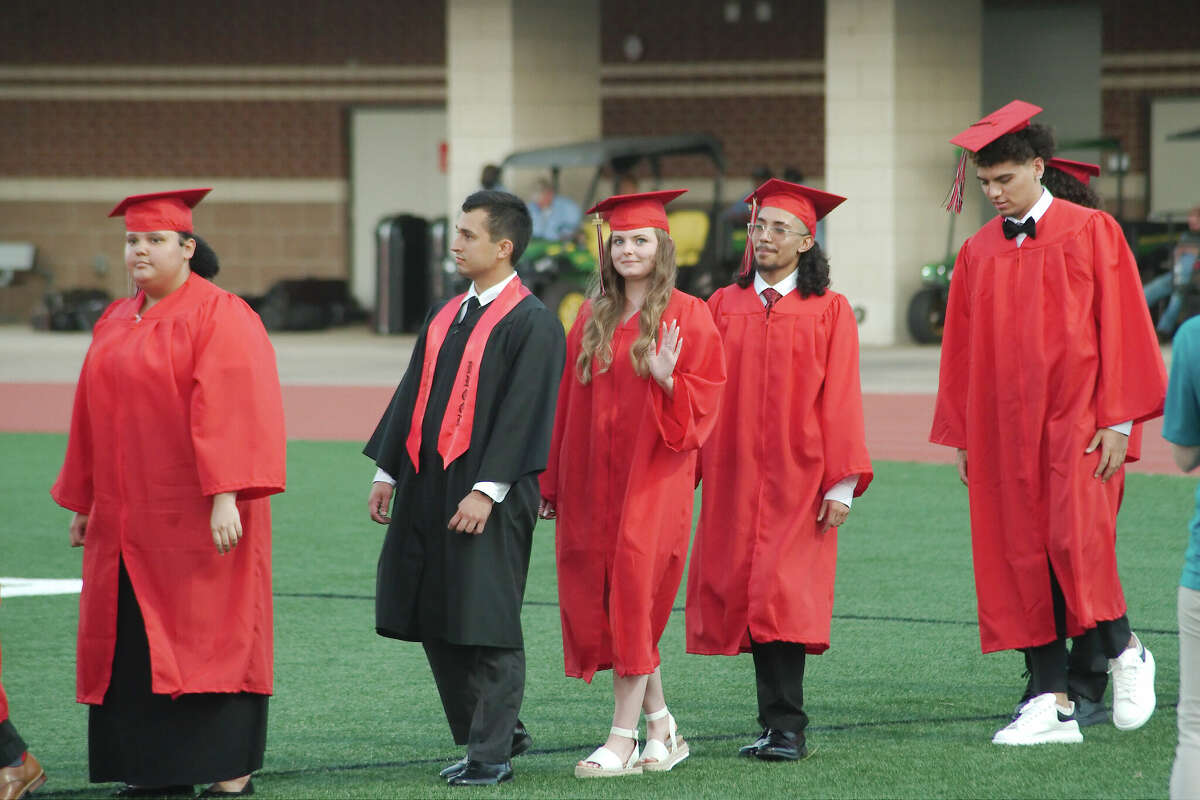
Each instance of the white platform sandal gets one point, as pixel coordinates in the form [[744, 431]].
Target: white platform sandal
[[610, 763], [663, 756]]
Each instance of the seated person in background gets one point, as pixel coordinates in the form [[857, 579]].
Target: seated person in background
[[1172, 282], [555, 216], [489, 179]]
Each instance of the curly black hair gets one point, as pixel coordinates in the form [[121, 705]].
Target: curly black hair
[[204, 261], [1020, 147], [1070, 188], [813, 276]]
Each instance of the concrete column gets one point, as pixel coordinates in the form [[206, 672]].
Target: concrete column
[[901, 78], [519, 74]]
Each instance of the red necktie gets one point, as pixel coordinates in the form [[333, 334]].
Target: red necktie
[[772, 297]]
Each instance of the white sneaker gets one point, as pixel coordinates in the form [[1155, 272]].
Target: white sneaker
[[1040, 722], [1133, 688]]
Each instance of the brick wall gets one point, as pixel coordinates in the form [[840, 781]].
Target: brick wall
[[1149, 25], [756, 86], [776, 131], [133, 139], [156, 32], [258, 244], [696, 30], [1150, 50], [255, 91]]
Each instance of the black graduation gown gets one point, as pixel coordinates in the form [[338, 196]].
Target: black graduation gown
[[434, 583]]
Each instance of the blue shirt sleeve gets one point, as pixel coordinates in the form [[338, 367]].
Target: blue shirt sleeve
[[1181, 414]]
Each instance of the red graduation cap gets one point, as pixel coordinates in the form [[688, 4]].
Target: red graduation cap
[[159, 211], [1005, 120], [624, 212], [1081, 171], [805, 202]]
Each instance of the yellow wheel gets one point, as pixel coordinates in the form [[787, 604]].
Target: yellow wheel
[[568, 308]]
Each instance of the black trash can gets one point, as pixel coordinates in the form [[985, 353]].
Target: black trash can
[[403, 280]]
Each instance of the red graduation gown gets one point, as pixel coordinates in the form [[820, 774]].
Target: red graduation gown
[[620, 474], [791, 427], [1044, 344], [172, 408], [3, 697]]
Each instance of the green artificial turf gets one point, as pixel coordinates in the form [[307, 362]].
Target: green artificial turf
[[902, 705]]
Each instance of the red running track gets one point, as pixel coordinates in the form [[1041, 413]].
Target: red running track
[[897, 424]]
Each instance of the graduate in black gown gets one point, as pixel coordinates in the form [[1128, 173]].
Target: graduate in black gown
[[458, 452]]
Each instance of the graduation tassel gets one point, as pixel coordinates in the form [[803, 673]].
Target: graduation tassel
[[954, 200], [748, 253], [599, 223]]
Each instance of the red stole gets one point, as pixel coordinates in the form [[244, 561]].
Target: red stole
[[455, 434]]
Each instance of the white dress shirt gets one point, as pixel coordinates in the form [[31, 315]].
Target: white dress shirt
[[497, 490], [843, 490], [1037, 212]]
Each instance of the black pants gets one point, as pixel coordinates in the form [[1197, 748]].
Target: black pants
[[1049, 665], [481, 689], [779, 675], [12, 746], [1087, 666]]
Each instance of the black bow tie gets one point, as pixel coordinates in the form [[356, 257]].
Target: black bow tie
[[1028, 227]]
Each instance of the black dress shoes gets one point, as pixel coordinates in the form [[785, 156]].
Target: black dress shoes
[[751, 750], [521, 742], [479, 773], [455, 768], [782, 746], [776, 745]]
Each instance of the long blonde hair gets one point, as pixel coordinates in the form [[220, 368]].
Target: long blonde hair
[[596, 352]]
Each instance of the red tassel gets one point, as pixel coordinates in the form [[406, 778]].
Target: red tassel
[[748, 253], [954, 200], [599, 223]]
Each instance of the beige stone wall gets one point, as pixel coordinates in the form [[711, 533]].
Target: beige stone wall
[[257, 243], [897, 89], [519, 74]]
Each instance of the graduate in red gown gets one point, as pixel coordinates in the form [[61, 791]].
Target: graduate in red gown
[[781, 469], [1070, 180], [638, 397], [20, 772], [176, 443], [1049, 364], [1087, 666]]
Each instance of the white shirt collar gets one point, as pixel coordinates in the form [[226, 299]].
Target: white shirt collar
[[783, 287], [1039, 208], [490, 294]]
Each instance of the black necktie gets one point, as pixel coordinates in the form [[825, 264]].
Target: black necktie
[[471, 305], [1028, 227]]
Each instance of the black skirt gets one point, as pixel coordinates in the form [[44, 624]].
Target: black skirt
[[149, 739]]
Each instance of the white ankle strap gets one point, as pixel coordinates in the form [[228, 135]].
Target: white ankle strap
[[662, 712], [628, 733]]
